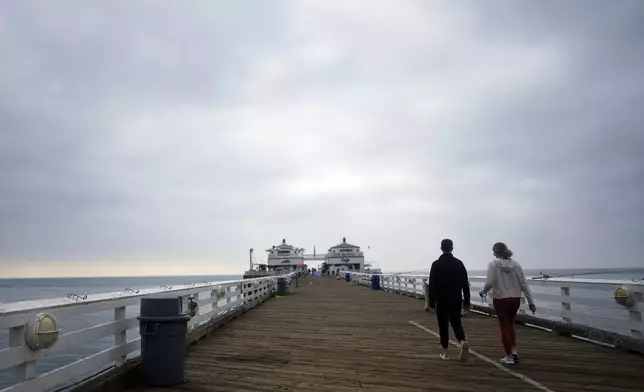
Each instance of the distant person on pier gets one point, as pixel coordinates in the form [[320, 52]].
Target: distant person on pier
[[506, 279], [449, 292]]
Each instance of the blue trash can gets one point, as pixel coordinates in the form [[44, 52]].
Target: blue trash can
[[347, 277], [375, 282]]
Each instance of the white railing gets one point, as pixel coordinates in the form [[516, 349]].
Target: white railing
[[588, 302], [214, 300], [361, 278]]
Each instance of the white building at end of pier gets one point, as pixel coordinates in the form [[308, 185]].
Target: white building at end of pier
[[284, 257], [345, 257]]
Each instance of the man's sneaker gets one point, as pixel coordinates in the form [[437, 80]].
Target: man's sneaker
[[507, 360], [465, 351], [515, 356]]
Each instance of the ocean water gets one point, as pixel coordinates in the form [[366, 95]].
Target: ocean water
[[12, 290]]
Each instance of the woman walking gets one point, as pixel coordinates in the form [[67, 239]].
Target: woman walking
[[506, 279]]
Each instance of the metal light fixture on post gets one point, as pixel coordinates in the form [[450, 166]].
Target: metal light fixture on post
[[41, 331], [624, 297]]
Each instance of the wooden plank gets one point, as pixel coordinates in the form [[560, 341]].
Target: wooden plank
[[27, 369]]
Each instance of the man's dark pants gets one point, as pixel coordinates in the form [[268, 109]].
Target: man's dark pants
[[449, 313]]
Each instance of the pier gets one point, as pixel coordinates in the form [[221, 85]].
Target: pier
[[333, 335]]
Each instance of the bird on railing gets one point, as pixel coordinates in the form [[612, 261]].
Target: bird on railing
[[76, 297]]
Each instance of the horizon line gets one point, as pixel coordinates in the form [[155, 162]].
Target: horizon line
[[625, 269]]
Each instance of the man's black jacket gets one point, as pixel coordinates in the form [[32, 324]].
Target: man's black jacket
[[448, 282]]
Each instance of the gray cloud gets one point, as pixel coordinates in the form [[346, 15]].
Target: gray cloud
[[149, 131]]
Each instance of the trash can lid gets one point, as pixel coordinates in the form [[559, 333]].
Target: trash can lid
[[161, 307], [183, 317]]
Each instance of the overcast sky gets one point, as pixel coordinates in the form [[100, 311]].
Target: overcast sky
[[169, 137]]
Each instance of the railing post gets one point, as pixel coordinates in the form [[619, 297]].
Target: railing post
[[256, 287], [214, 300], [636, 315], [291, 285], [565, 305], [120, 338], [426, 294], [185, 306], [27, 370]]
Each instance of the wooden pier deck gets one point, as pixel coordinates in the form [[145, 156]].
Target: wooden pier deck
[[336, 337]]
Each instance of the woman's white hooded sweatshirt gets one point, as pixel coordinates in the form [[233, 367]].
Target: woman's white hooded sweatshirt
[[506, 279]]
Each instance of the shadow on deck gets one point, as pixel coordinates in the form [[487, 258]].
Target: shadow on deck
[[331, 336]]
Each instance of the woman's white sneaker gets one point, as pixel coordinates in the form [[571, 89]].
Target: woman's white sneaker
[[465, 351], [507, 360]]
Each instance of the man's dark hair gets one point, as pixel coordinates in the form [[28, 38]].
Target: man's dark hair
[[447, 245]]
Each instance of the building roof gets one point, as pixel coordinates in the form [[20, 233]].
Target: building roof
[[344, 244], [282, 246]]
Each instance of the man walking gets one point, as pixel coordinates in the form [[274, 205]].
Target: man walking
[[449, 291]]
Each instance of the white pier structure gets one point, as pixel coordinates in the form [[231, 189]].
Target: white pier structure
[[605, 311]]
